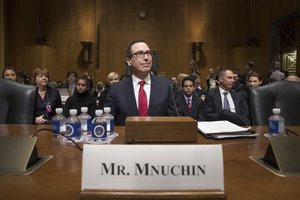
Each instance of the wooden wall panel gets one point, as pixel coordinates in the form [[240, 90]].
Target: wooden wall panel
[[171, 25]]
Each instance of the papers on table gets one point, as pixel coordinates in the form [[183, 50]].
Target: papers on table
[[224, 129]]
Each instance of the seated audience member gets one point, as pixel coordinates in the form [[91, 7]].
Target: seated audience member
[[253, 80], [112, 78], [91, 83], [10, 73], [199, 90], [237, 85], [179, 80], [293, 78], [174, 81], [71, 82], [224, 104], [141, 94], [81, 98], [249, 69], [188, 101], [48, 98]]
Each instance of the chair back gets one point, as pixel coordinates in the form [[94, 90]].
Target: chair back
[[17, 102], [280, 94]]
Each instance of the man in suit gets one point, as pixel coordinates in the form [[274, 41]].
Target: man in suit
[[224, 104], [188, 101], [141, 94], [71, 82]]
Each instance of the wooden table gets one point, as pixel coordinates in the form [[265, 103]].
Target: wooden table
[[60, 177]]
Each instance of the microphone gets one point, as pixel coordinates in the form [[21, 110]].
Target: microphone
[[173, 99]]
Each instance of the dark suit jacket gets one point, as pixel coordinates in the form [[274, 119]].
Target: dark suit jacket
[[197, 109], [122, 101], [214, 111]]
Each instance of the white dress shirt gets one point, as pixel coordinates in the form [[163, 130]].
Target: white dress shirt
[[231, 103], [136, 88]]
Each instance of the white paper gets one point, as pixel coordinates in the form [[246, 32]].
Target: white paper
[[212, 127]]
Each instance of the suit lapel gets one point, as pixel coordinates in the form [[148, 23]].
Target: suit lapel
[[154, 93], [218, 100], [130, 97]]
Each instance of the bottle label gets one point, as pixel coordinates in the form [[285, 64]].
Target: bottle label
[[110, 126], [89, 125], [99, 131], [55, 126], [73, 130], [273, 127]]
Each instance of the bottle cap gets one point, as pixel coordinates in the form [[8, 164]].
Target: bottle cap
[[84, 109], [98, 113], [59, 110], [276, 111], [106, 109], [73, 112]]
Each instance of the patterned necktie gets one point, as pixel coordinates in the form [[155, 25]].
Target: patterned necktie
[[143, 106], [226, 102], [189, 104]]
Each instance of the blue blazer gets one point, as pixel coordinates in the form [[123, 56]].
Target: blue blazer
[[214, 111], [122, 101]]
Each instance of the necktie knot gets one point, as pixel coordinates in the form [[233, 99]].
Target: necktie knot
[[142, 83]]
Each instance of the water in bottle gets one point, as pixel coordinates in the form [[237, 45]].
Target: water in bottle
[[58, 122], [85, 121], [99, 134], [73, 127], [276, 123], [109, 118]]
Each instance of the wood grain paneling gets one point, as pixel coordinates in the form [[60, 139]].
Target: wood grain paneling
[[170, 27]]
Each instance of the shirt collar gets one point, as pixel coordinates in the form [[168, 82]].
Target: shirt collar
[[136, 80]]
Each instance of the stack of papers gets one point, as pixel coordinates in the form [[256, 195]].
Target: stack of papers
[[224, 129]]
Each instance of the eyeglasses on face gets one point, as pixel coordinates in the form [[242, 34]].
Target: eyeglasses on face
[[141, 54]]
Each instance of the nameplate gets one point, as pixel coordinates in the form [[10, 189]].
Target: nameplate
[[152, 167]]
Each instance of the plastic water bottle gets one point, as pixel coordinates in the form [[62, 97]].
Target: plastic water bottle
[[276, 123], [109, 118], [58, 122], [73, 127], [99, 134], [85, 121]]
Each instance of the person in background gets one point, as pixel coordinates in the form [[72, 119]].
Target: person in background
[[91, 83], [188, 101], [198, 88], [249, 69], [254, 80], [10, 73], [224, 104], [276, 74], [211, 80], [71, 82], [81, 98], [293, 78], [113, 77], [237, 85], [48, 98], [179, 80], [174, 80], [141, 94], [98, 95]]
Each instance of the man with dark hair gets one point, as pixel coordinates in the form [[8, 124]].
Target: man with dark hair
[[224, 104], [141, 94], [71, 82], [188, 101]]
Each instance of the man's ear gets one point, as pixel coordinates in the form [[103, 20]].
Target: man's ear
[[128, 62]]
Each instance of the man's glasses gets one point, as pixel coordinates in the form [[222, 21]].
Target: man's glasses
[[141, 54]]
